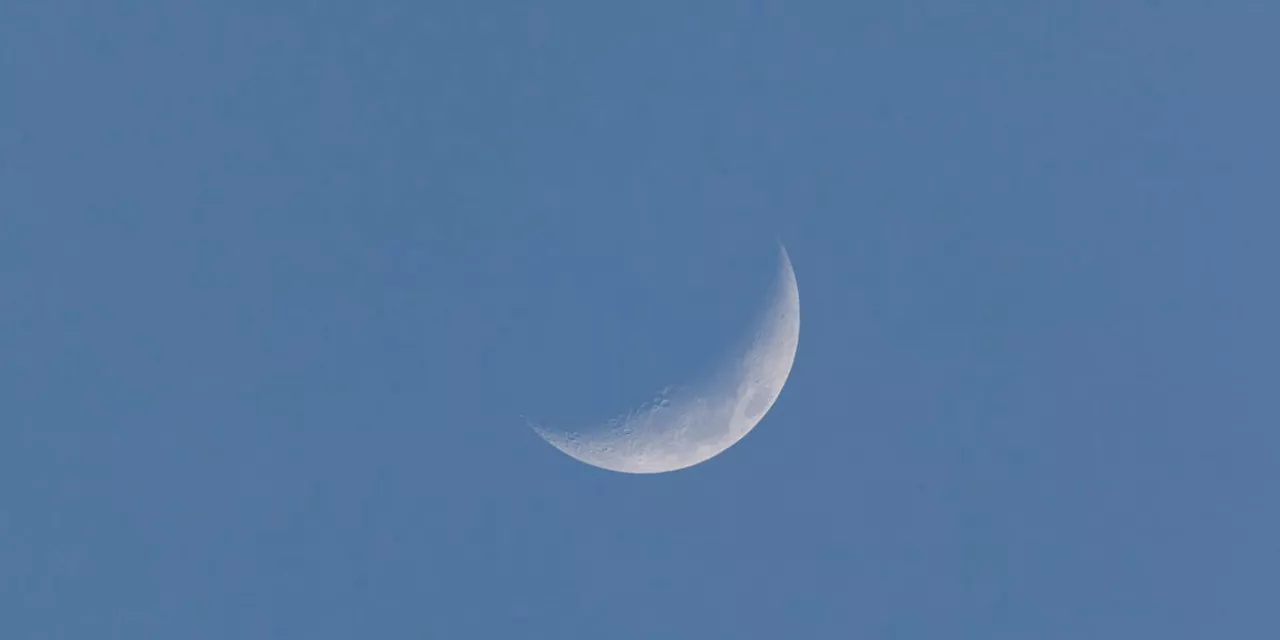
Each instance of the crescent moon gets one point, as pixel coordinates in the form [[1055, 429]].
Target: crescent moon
[[694, 424]]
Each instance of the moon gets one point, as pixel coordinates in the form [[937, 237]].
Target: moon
[[692, 424]]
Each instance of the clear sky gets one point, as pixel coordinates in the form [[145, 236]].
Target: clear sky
[[278, 280]]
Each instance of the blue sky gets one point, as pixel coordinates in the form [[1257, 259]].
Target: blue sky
[[277, 281]]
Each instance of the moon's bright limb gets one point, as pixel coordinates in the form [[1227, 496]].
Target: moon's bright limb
[[682, 428]]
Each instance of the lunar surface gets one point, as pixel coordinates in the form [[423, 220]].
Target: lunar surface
[[683, 427]]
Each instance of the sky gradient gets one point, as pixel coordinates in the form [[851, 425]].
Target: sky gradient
[[279, 280]]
